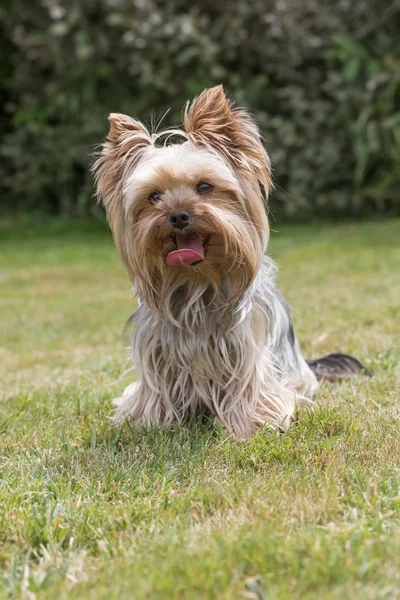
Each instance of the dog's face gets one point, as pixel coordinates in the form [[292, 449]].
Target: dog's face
[[188, 214]]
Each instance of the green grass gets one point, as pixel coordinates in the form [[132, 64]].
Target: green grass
[[90, 512]]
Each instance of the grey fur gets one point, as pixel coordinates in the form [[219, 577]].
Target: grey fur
[[241, 362]]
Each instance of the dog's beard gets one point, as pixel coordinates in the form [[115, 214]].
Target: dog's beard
[[221, 251]]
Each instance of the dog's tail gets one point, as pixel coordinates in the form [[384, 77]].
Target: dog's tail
[[334, 367]]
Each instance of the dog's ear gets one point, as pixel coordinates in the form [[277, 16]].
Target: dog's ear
[[212, 122], [126, 142]]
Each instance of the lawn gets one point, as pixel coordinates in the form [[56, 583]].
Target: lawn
[[90, 512]]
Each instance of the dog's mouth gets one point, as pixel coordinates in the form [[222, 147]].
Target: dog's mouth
[[190, 251]]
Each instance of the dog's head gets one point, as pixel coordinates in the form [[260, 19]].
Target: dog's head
[[188, 214]]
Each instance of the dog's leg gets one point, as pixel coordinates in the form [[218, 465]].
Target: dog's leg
[[257, 396], [142, 406], [127, 406], [265, 401]]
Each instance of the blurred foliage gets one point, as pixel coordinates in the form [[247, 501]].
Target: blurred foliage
[[322, 77]]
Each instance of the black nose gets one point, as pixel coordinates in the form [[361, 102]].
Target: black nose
[[179, 219]]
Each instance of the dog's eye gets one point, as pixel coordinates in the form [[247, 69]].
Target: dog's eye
[[154, 196], [204, 188]]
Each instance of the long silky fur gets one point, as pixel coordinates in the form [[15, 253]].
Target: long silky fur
[[236, 360]]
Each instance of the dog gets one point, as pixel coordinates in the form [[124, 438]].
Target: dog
[[188, 211]]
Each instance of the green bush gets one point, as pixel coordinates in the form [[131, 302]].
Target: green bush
[[322, 77]]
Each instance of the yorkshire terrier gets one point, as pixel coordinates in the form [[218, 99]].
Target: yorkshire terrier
[[212, 334]]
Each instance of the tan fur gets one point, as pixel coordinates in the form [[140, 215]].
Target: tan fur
[[210, 121], [126, 142]]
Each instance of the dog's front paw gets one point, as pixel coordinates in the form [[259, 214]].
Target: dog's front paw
[[124, 406]]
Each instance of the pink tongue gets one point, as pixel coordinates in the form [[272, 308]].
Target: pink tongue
[[189, 251]]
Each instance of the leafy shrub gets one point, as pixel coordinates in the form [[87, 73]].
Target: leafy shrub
[[323, 79]]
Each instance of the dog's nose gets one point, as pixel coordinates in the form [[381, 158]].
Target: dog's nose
[[179, 219]]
